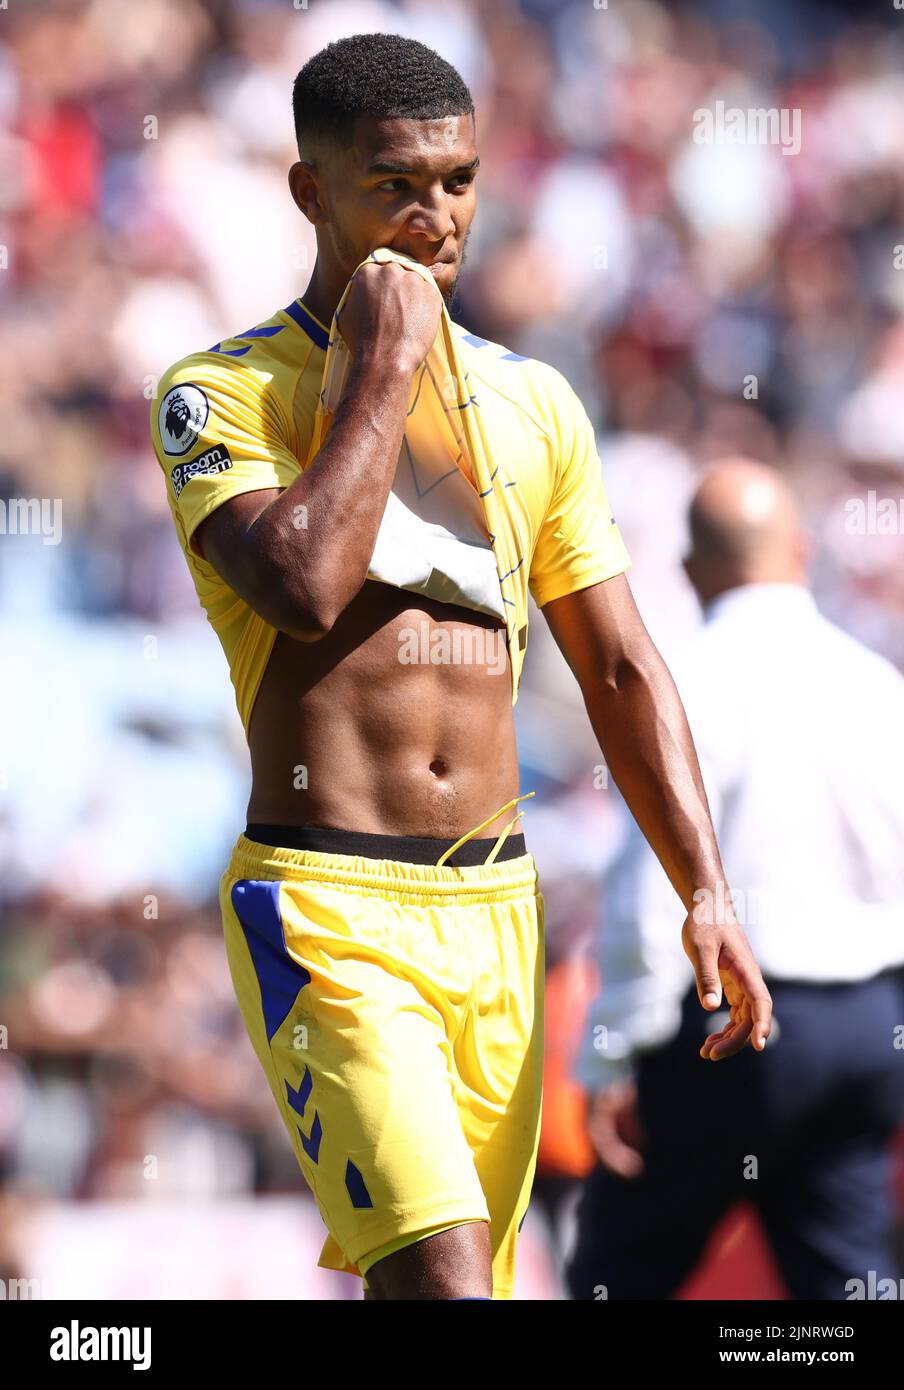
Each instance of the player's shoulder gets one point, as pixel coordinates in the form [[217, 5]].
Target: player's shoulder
[[253, 357], [256, 370], [194, 388], [205, 370], [530, 382], [501, 363]]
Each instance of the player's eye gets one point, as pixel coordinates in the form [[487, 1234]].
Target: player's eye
[[457, 181]]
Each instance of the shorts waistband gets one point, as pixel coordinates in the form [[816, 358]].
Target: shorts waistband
[[408, 849], [397, 879], [488, 879]]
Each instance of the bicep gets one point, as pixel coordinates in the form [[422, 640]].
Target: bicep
[[598, 629], [223, 537], [259, 563]]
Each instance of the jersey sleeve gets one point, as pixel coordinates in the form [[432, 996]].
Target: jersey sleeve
[[218, 431], [578, 543]]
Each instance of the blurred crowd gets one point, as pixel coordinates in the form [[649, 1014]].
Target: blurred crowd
[[703, 298]]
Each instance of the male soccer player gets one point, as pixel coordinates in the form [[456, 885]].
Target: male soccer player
[[364, 502]]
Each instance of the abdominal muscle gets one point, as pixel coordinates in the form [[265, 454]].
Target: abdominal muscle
[[398, 722]]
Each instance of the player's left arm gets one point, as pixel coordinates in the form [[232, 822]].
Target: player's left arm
[[577, 578], [640, 724]]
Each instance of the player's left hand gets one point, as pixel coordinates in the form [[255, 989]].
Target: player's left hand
[[722, 959]]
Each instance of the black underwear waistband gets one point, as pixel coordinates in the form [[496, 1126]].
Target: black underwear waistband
[[405, 849]]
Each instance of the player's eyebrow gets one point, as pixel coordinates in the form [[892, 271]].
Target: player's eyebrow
[[383, 166]]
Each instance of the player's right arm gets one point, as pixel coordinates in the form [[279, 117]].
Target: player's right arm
[[300, 580]]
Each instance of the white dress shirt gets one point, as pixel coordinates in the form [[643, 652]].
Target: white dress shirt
[[800, 734]]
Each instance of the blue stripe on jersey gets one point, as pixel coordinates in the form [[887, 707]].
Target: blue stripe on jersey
[[299, 313], [280, 977], [479, 342], [262, 332], [249, 333]]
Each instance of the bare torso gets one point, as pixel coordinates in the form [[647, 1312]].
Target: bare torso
[[347, 734]]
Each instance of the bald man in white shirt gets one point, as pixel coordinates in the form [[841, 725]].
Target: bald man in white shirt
[[800, 734]]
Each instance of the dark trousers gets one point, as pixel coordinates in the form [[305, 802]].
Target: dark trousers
[[811, 1117]]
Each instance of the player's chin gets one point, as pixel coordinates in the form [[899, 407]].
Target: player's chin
[[447, 280]]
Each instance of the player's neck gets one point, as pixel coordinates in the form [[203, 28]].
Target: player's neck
[[323, 293]]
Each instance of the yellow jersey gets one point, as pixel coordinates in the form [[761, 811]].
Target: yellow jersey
[[520, 453]]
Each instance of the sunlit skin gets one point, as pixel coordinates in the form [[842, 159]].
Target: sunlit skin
[[429, 750], [409, 185]]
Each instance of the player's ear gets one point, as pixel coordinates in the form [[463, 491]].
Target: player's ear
[[305, 190]]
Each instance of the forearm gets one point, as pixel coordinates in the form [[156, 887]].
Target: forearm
[[337, 503], [642, 730]]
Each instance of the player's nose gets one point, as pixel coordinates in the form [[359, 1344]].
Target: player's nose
[[433, 222]]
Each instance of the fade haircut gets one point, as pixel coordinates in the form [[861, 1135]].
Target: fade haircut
[[383, 76]]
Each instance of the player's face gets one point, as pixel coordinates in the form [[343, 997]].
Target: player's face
[[408, 185]]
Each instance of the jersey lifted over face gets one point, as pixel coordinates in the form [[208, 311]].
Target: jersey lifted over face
[[498, 490]]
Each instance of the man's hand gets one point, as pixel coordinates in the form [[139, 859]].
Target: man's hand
[[721, 956], [615, 1129], [301, 579], [391, 312]]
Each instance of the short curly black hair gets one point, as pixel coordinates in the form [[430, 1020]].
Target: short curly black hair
[[384, 76]]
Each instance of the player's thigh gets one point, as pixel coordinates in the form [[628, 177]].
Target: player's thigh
[[359, 1063], [499, 1065], [450, 1264]]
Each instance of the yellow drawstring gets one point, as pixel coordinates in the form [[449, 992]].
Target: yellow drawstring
[[483, 825], [502, 838]]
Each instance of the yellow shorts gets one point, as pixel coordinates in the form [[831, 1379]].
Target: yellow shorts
[[397, 1010]]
